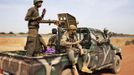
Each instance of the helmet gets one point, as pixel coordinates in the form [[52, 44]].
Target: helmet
[[54, 31], [35, 1], [72, 27]]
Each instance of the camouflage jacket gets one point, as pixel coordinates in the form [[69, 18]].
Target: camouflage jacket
[[52, 41], [31, 16], [67, 41]]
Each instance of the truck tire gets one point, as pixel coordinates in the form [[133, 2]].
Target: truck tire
[[67, 72], [116, 64]]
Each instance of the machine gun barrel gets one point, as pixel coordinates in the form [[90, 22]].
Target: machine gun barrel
[[48, 21]]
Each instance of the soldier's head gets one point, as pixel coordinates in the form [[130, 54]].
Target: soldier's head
[[72, 29], [54, 31], [105, 31], [38, 3]]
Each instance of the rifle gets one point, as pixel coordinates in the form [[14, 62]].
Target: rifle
[[43, 13]]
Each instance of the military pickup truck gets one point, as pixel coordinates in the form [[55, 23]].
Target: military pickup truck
[[101, 56]]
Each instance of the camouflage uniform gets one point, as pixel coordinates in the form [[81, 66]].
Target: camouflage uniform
[[34, 40], [52, 41], [107, 37], [67, 42]]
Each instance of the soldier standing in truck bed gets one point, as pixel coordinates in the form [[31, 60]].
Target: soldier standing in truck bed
[[34, 40], [70, 41]]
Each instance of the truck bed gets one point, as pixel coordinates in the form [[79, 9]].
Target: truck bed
[[17, 63]]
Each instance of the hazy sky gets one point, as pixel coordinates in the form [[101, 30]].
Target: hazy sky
[[115, 15]]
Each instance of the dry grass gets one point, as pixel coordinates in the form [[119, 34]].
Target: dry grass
[[18, 43], [7, 44], [120, 41], [14, 43]]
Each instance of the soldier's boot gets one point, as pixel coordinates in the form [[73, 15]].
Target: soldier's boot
[[75, 71], [86, 69]]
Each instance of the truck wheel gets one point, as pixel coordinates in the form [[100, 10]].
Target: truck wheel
[[67, 72], [116, 64]]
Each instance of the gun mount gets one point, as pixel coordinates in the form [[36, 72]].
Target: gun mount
[[64, 20], [63, 23], [67, 20]]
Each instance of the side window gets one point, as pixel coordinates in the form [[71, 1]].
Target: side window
[[80, 36]]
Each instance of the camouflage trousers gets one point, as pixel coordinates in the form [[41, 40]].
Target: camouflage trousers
[[35, 42], [71, 55]]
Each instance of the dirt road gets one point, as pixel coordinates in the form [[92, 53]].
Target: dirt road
[[127, 67]]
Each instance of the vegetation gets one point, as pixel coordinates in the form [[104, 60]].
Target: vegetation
[[21, 33], [121, 34], [10, 33], [129, 42], [2, 33]]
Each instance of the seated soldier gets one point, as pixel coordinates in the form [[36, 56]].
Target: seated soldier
[[51, 46], [52, 39], [107, 37], [71, 44]]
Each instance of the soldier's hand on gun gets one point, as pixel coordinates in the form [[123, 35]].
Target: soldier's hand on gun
[[38, 18]]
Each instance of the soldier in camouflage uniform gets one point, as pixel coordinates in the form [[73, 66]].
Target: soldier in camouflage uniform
[[70, 41], [34, 40], [52, 39], [107, 37]]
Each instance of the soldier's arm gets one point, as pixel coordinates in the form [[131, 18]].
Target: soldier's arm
[[79, 46], [81, 49], [29, 16], [64, 42]]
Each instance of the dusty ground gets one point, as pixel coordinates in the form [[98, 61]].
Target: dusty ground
[[14, 43], [127, 67]]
